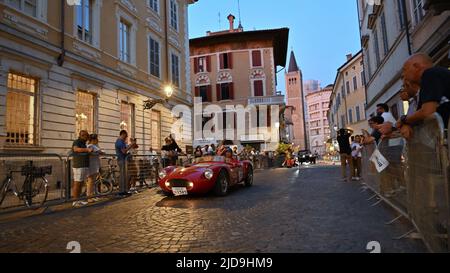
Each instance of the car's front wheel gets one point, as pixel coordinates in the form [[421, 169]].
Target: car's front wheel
[[221, 187]]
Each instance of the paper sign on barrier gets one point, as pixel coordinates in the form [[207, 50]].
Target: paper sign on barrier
[[379, 160]]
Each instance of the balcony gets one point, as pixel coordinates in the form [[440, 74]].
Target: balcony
[[270, 100]]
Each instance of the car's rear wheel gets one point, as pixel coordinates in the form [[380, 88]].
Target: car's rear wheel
[[222, 184], [249, 178]]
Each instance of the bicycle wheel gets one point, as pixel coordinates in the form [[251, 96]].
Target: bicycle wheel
[[4, 190], [40, 191], [103, 186], [27, 192]]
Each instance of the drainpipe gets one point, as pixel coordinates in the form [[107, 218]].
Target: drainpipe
[[63, 34], [408, 36], [166, 38]]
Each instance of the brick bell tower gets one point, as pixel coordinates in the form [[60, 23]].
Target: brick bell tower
[[295, 98]]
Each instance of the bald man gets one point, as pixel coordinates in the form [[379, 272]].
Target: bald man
[[434, 91]]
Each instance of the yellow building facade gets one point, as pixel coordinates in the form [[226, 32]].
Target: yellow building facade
[[66, 67], [348, 99]]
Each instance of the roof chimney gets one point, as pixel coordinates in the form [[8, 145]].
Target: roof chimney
[[231, 18], [349, 57]]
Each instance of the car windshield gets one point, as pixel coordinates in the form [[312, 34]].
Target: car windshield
[[210, 159]]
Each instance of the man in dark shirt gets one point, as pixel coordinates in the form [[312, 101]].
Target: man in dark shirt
[[376, 135], [345, 151], [80, 165], [434, 94], [122, 154]]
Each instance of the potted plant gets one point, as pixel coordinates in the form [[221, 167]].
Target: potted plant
[[281, 152]]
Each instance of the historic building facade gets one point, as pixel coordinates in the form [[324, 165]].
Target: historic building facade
[[391, 31], [65, 67], [347, 102], [318, 127], [238, 68]]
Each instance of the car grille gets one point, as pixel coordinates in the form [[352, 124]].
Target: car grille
[[178, 183]]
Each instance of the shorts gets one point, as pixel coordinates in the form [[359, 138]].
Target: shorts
[[80, 174]]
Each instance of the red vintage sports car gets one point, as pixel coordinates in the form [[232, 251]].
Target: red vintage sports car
[[209, 173]]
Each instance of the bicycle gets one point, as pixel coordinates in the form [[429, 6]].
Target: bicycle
[[106, 181], [148, 173], [35, 184]]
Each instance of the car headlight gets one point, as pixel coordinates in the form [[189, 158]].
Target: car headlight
[[208, 174], [162, 174]]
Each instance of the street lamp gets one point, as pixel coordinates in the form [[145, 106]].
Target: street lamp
[[149, 104], [168, 91]]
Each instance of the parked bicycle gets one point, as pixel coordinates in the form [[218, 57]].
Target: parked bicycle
[[35, 185], [148, 173], [107, 181]]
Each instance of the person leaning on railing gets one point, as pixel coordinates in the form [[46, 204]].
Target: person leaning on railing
[[434, 94], [375, 136]]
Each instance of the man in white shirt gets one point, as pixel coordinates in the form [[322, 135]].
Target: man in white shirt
[[389, 121]]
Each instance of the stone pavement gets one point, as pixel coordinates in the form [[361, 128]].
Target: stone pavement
[[287, 210]]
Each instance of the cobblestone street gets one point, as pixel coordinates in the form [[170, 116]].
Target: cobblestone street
[[287, 210]]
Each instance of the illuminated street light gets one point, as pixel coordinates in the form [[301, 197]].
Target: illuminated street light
[[168, 90]]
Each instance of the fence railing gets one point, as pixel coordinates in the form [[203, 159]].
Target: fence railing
[[13, 177], [113, 177], [416, 181]]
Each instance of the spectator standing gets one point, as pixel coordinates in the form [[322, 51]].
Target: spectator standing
[[94, 166], [122, 150], [198, 152], [222, 149], [388, 126], [356, 158], [80, 165], [375, 136], [345, 151], [235, 151], [205, 149], [212, 149], [133, 168], [165, 153], [174, 150]]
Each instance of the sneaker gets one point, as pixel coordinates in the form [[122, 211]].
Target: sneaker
[[94, 200], [344, 179], [78, 204], [133, 191], [357, 178]]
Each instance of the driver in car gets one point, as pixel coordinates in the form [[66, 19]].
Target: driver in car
[[229, 158]]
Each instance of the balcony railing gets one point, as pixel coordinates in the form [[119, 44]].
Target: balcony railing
[[269, 100]]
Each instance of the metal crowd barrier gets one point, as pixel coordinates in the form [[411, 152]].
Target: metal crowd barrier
[[14, 163], [428, 183], [416, 182]]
